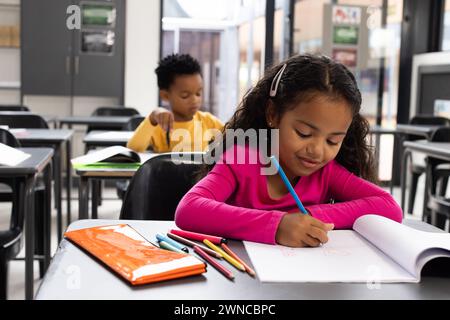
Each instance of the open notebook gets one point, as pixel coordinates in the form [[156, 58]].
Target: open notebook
[[131, 256], [111, 157], [376, 250]]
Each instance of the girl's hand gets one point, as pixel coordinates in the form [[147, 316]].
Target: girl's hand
[[163, 117], [302, 230]]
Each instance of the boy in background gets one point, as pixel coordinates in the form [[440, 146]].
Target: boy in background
[[180, 85]]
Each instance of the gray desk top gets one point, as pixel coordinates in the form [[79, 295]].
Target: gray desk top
[[382, 130], [87, 120], [107, 138], [416, 129], [43, 135], [437, 149], [40, 157], [75, 275]]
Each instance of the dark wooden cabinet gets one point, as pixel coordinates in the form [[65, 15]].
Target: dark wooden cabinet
[[82, 62]]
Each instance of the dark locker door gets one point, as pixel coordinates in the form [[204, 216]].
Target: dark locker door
[[99, 49], [45, 47]]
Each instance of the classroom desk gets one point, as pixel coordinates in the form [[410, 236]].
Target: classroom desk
[[417, 129], [54, 138], [75, 275], [27, 171], [98, 138], [91, 175], [110, 121], [440, 150]]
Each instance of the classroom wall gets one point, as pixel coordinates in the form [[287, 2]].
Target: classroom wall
[[142, 54]]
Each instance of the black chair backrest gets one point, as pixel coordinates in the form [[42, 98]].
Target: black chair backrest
[[29, 121], [118, 111], [158, 186], [13, 108], [442, 134], [17, 218], [426, 119], [133, 123], [9, 139]]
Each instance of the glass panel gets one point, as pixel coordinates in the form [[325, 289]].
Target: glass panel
[[251, 46], [168, 42], [204, 46], [446, 33], [97, 41], [98, 14]]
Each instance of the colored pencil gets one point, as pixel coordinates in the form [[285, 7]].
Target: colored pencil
[[193, 244], [198, 236], [161, 237], [227, 273], [249, 270], [166, 246], [168, 137], [227, 257], [288, 185]]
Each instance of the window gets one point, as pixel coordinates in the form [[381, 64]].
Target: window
[[351, 32], [446, 31]]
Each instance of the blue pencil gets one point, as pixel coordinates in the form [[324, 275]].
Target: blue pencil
[[173, 243], [288, 185]]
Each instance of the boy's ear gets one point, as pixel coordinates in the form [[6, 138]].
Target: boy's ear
[[164, 95], [272, 117]]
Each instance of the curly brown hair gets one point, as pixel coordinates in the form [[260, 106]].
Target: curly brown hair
[[304, 76]]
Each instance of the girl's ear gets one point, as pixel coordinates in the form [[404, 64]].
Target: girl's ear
[[272, 117], [164, 95]]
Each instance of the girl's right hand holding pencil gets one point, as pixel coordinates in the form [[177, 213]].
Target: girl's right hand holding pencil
[[302, 230]]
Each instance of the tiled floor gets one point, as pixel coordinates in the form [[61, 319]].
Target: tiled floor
[[109, 210]]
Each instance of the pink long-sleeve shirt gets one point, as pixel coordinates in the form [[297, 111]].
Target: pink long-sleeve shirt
[[233, 201]]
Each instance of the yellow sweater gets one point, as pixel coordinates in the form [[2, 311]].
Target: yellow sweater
[[185, 136]]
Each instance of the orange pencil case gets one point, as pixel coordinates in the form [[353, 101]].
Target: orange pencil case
[[131, 256]]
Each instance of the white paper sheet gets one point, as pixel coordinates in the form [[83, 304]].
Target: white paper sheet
[[10, 156], [347, 257]]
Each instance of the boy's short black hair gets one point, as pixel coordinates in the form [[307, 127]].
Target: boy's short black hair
[[174, 65]]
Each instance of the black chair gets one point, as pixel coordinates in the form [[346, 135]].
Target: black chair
[[29, 121], [438, 174], [118, 111], [158, 186], [131, 125], [13, 108], [11, 190], [418, 168]]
